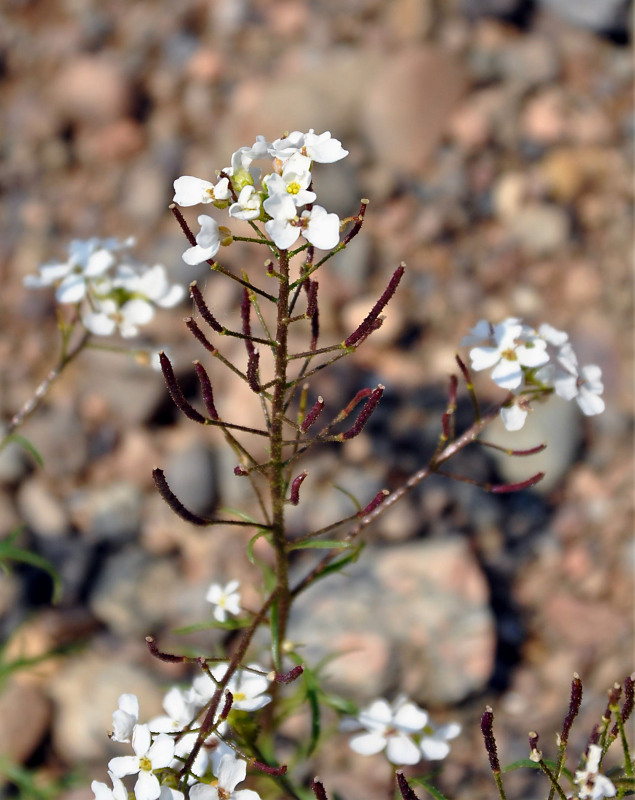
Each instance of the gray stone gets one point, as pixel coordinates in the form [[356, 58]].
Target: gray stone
[[191, 474], [607, 15], [41, 509], [135, 593], [414, 616], [110, 512]]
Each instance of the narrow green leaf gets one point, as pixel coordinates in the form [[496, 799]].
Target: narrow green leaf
[[228, 625], [423, 782], [8, 552], [322, 544], [350, 496], [240, 514], [250, 546], [527, 762], [26, 445]]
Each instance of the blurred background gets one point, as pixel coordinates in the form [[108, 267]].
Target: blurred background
[[494, 139]]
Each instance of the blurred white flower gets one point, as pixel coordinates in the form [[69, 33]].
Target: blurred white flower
[[391, 728], [103, 792], [225, 598], [434, 740], [248, 688]]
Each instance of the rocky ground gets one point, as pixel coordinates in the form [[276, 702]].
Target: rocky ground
[[494, 140]]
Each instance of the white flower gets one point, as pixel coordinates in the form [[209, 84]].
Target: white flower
[[434, 741], [225, 598], [180, 710], [511, 347], [318, 227], [231, 772], [151, 284], [125, 718], [207, 242], [295, 178], [103, 792], [514, 416], [592, 784], [392, 728], [190, 191], [248, 688], [148, 757], [110, 316], [87, 260], [318, 147], [248, 205], [585, 384]]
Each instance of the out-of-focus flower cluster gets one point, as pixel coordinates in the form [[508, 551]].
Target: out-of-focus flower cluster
[[592, 784], [111, 291], [162, 745], [531, 364], [276, 198], [403, 730]]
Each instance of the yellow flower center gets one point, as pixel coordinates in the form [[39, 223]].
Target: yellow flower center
[[293, 187]]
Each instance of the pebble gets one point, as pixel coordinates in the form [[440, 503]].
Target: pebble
[[604, 17], [417, 611], [540, 228], [41, 509], [191, 474], [110, 513], [407, 108], [91, 89], [19, 704]]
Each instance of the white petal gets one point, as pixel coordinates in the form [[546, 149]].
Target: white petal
[[147, 786], [378, 712], [141, 740], [507, 374], [484, 357], [566, 385], [449, 731], [402, 750], [162, 751], [323, 229], [72, 289], [231, 772], [124, 765], [367, 744], [99, 324], [534, 356], [482, 331], [197, 254], [122, 725], [98, 263], [130, 704], [201, 791], [245, 794], [282, 233], [172, 296], [434, 749], [553, 335], [101, 791], [589, 402], [411, 718], [513, 417]]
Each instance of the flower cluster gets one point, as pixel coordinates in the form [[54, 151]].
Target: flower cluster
[[162, 745], [277, 198], [110, 290], [403, 730], [532, 363]]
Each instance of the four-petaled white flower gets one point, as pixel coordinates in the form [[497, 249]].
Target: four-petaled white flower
[[593, 785], [148, 757], [225, 598], [207, 242], [294, 180], [321, 148], [317, 226], [248, 206], [231, 771], [391, 728], [125, 718], [582, 384], [87, 260]]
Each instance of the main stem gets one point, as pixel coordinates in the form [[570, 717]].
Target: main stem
[[277, 473]]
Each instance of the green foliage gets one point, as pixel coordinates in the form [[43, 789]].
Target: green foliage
[[10, 552]]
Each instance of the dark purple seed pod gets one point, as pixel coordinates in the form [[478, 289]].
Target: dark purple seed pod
[[167, 657], [290, 676], [294, 495], [198, 334], [175, 391], [311, 302], [203, 308], [229, 700], [516, 487], [318, 789], [377, 500], [313, 414], [574, 707], [268, 770], [173, 501], [487, 729], [404, 787], [252, 368], [364, 414], [245, 315], [184, 226], [206, 388], [240, 471], [366, 326]]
